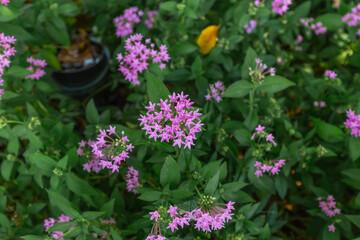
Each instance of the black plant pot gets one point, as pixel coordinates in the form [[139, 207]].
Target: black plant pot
[[81, 81]]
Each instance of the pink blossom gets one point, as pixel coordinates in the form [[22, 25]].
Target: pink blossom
[[353, 18], [5, 2], [154, 215], [6, 51], [36, 66], [280, 6], [250, 26], [48, 223], [331, 228], [258, 74], [172, 121], [149, 22], [125, 22], [318, 28], [331, 74], [132, 180], [216, 90], [108, 151], [138, 56]]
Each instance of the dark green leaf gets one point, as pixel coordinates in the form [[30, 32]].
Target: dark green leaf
[[274, 84], [238, 89], [170, 173], [212, 184], [328, 132], [92, 115], [78, 185], [156, 89]]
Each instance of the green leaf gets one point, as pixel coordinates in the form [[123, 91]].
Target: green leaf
[[78, 185], [183, 48], [238, 89], [170, 173], [328, 132], [265, 232], [57, 30], [57, 200], [210, 169], [7, 14], [302, 11], [14, 30], [32, 237], [212, 184], [281, 186], [91, 215], [17, 71], [156, 89], [114, 234], [92, 115], [354, 148], [62, 226], [169, 6], [233, 186], [327, 235], [274, 84], [150, 196], [6, 169], [353, 173], [181, 194], [43, 162], [108, 208], [197, 67], [4, 221], [248, 62], [332, 21], [238, 197]]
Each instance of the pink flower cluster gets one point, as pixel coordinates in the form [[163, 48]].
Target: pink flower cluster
[[280, 6], [137, 56], [6, 50], [329, 208], [125, 22], [150, 21], [206, 220], [155, 237], [331, 74], [273, 167], [132, 179], [298, 40], [250, 26], [48, 223], [108, 151], [353, 122], [259, 73], [258, 2], [306, 21], [36, 66], [320, 104], [318, 28], [216, 90], [172, 120], [269, 137], [5, 2], [353, 18]]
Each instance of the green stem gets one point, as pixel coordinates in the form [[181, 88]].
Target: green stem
[[11, 121], [251, 100], [67, 233], [197, 190]]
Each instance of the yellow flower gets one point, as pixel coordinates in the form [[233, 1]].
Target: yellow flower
[[207, 38]]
